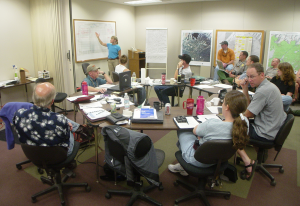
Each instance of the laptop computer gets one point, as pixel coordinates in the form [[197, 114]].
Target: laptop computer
[[221, 67], [124, 82]]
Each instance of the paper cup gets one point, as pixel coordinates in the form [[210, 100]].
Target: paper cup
[[216, 101]]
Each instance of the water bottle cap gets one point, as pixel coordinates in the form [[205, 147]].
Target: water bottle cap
[[84, 82]]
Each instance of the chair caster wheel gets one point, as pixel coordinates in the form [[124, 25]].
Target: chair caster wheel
[[175, 183], [160, 188], [87, 188], [273, 183], [63, 203], [108, 196], [227, 197], [281, 170], [40, 171], [33, 200], [19, 167]]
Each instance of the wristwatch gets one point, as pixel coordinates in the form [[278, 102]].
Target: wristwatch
[[103, 73]]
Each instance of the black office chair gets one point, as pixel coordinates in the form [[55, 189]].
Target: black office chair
[[211, 152], [117, 151], [277, 145], [53, 159], [84, 67], [115, 76], [60, 96]]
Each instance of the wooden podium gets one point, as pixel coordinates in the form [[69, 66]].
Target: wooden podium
[[136, 61]]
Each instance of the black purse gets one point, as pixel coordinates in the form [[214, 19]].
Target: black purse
[[231, 173]]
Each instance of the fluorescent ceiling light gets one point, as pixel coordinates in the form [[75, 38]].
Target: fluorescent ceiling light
[[142, 2]]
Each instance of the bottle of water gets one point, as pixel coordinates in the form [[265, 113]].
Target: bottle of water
[[200, 105], [84, 88], [126, 102], [133, 78], [16, 72]]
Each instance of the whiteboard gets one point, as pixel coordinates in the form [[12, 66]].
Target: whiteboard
[[258, 39], [156, 45], [87, 46]]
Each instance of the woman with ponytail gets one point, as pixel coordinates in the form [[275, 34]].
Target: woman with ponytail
[[235, 127]]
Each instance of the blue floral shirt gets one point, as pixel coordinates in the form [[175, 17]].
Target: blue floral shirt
[[41, 127]]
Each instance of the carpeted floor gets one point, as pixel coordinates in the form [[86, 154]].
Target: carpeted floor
[[17, 186]]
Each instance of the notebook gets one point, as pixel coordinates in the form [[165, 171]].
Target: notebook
[[221, 67], [124, 82]]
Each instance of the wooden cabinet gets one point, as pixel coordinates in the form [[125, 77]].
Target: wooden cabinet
[[136, 61]]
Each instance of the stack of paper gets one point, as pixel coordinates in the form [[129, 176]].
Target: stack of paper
[[203, 118], [191, 123], [96, 113], [90, 105]]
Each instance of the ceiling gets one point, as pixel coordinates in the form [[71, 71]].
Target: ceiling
[[157, 3]]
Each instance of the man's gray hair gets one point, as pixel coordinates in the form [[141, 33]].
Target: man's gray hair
[[43, 101]]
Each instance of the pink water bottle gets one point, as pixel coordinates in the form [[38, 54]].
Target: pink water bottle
[[84, 88], [163, 78], [200, 105]]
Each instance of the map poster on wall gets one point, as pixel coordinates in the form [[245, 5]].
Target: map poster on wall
[[197, 44], [286, 47], [242, 43], [87, 46], [258, 38]]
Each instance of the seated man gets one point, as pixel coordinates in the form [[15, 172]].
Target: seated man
[[40, 126], [250, 60], [94, 81], [226, 56], [264, 108], [141, 93], [272, 71], [239, 68], [183, 67]]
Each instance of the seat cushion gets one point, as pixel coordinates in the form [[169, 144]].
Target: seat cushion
[[60, 97], [261, 144], [160, 156], [198, 171]]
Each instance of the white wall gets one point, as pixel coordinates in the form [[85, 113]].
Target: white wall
[[96, 10], [268, 15], [16, 44]]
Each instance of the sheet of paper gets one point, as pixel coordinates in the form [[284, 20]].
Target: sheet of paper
[[90, 105], [203, 118], [205, 82], [106, 86], [225, 86], [203, 86], [96, 113], [74, 98], [249, 92], [214, 109]]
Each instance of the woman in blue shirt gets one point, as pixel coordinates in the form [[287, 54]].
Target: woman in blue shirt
[[114, 52]]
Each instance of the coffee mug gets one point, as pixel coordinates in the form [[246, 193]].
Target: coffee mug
[[216, 101], [192, 81], [172, 81], [156, 105], [189, 106], [179, 79]]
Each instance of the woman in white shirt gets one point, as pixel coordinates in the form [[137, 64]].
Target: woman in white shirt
[[122, 67]]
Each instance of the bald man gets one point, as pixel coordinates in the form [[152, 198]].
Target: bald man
[[40, 126], [272, 71]]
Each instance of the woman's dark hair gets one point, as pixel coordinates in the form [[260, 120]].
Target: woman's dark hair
[[288, 75], [237, 103]]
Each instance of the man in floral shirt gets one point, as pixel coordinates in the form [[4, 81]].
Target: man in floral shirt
[[40, 126]]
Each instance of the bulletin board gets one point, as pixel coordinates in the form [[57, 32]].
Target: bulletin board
[[87, 46], [258, 40]]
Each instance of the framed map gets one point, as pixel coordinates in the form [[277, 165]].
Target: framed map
[[198, 44], [286, 47], [258, 39]]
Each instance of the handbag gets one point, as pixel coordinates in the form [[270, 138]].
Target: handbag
[[231, 173], [115, 117]]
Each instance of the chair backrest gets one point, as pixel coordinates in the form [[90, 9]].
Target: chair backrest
[[84, 67], [115, 76], [41, 156], [40, 80], [284, 131], [118, 152], [215, 150]]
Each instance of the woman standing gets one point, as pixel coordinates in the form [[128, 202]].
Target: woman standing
[[114, 52], [285, 81]]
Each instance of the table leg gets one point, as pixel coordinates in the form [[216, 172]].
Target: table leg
[[74, 106], [178, 97], [191, 92], [96, 152], [199, 92], [26, 92], [147, 95]]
